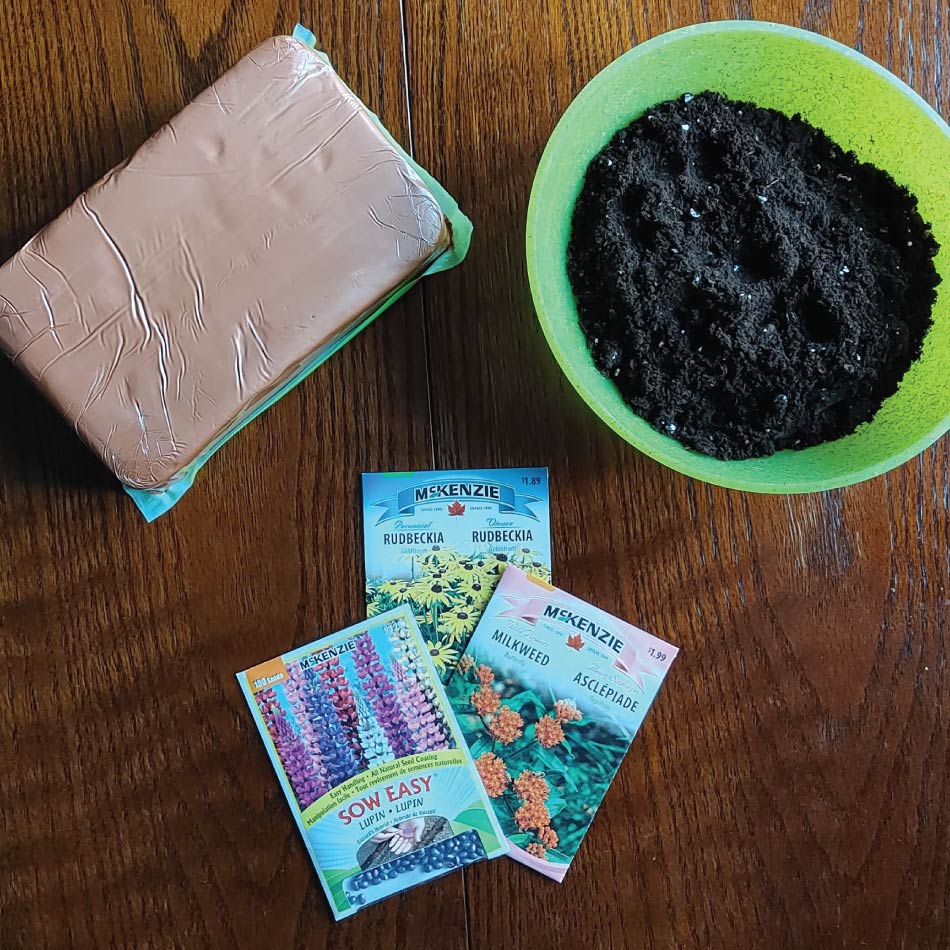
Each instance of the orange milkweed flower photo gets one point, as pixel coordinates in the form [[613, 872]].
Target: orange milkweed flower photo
[[493, 773], [485, 701], [548, 837], [567, 711], [532, 815], [531, 787], [485, 674], [548, 732], [506, 726]]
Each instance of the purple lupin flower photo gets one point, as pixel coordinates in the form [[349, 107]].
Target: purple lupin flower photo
[[408, 657], [337, 687], [316, 717], [425, 728], [376, 746], [297, 764], [379, 691], [307, 778]]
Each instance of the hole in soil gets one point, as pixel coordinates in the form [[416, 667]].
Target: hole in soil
[[703, 337], [819, 322], [712, 157], [633, 202], [759, 259], [694, 299], [675, 163]]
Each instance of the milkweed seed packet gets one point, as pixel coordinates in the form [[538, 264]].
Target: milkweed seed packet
[[549, 695], [439, 541], [370, 757]]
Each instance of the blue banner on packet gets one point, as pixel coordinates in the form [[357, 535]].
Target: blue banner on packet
[[372, 762], [439, 541]]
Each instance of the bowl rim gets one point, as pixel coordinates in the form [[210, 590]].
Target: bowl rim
[[736, 481]]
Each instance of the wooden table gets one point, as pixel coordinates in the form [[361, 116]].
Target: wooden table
[[789, 789]]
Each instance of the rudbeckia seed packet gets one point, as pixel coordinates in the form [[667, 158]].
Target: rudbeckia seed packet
[[372, 762], [439, 541], [549, 696]]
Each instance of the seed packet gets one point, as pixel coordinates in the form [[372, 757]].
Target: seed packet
[[371, 760], [439, 541], [549, 697]]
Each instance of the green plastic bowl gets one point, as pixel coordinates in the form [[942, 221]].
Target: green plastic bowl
[[862, 107]]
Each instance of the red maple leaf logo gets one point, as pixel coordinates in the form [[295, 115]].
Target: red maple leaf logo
[[456, 508], [575, 642]]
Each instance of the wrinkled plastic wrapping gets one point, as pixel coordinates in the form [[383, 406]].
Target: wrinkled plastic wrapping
[[238, 248]]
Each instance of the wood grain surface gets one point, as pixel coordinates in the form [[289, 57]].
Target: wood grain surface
[[791, 786]]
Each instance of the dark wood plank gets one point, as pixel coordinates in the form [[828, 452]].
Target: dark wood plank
[[789, 788], [137, 807]]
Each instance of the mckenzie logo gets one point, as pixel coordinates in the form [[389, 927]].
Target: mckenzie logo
[[581, 629], [582, 624], [505, 498]]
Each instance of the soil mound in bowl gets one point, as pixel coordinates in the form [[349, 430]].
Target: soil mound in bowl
[[747, 284]]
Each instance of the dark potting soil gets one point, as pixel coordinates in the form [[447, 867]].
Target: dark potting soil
[[747, 284]]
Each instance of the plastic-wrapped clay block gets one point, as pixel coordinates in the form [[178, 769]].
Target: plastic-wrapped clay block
[[237, 249]]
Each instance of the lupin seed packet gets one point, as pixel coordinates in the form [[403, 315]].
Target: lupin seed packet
[[439, 541], [369, 755], [549, 695]]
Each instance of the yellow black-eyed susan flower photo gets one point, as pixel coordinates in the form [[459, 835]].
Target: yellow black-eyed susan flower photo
[[448, 591]]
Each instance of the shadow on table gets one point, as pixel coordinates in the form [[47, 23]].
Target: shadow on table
[[37, 446]]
